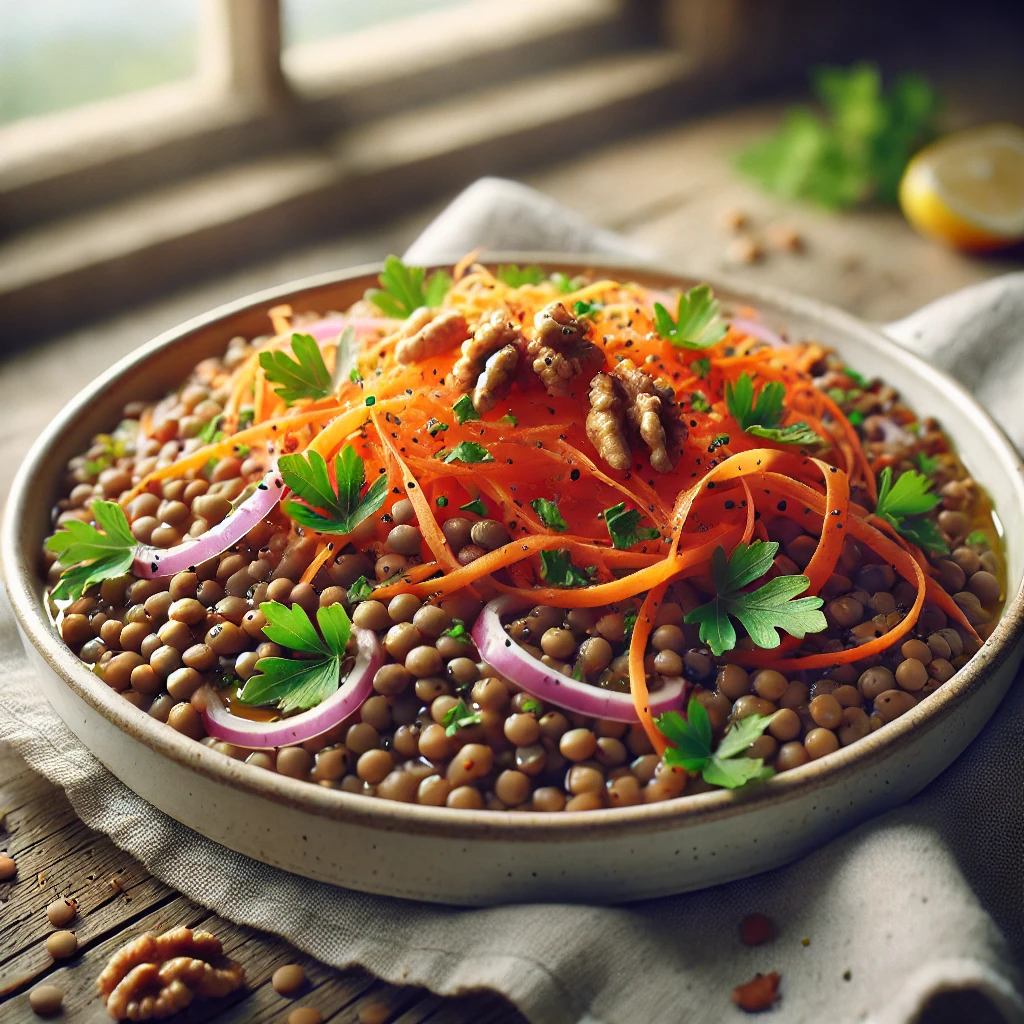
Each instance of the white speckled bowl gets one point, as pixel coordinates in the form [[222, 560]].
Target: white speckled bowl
[[480, 857]]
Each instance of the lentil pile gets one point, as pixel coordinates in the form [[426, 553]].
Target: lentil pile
[[565, 446]]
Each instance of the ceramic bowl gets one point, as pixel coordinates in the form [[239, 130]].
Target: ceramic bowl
[[482, 857]]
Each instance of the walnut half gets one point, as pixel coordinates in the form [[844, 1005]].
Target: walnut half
[[154, 976], [626, 404], [559, 348], [428, 333]]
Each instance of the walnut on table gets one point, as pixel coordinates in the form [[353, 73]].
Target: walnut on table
[[559, 348], [625, 404], [154, 976], [428, 333], [489, 360]]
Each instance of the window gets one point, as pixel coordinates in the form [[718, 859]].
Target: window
[[307, 21], [65, 53]]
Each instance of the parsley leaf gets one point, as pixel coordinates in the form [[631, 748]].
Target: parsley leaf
[[305, 376], [584, 309], [976, 538], [114, 447], [701, 367], [89, 556], [697, 323], [457, 631], [435, 427], [354, 375], [763, 417], [246, 418], [727, 766], [299, 684], [360, 590], [469, 451], [516, 277], [901, 504], [858, 151], [557, 569], [464, 410], [628, 624], [343, 508], [699, 402], [565, 284], [761, 612], [460, 716], [510, 419], [624, 528], [926, 463], [404, 289], [530, 704], [476, 506], [211, 432], [858, 378], [549, 514]]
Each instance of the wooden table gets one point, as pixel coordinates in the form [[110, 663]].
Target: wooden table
[[670, 190]]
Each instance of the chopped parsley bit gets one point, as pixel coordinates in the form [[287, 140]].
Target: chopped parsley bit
[[211, 432], [624, 529], [856, 417], [761, 612], [566, 284], [697, 324], [464, 410], [404, 289], [305, 376], [549, 514], [717, 441], [858, 378], [557, 569], [355, 376], [435, 427], [976, 539], [699, 402], [360, 590], [242, 450], [469, 451], [628, 623], [927, 464], [530, 704], [442, 502], [476, 506], [586, 309], [727, 766], [290, 683], [510, 419], [370, 400], [516, 277], [763, 417], [903, 505], [460, 716], [246, 418], [457, 631], [342, 507], [89, 556], [113, 448], [701, 367]]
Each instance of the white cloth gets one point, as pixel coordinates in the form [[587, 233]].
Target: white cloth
[[926, 898]]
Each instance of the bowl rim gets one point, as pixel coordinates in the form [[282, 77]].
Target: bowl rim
[[22, 581]]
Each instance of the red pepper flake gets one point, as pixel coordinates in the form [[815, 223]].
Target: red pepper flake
[[757, 994], [756, 929]]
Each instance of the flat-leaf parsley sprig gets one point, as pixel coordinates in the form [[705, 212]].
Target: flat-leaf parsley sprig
[[297, 684], [342, 506], [404, 289], [904, 504], [697, 323], [725, 766], [763, 417], [89, 556], [305, 376], [761, 612]]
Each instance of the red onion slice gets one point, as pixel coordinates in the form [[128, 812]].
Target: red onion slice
[[332, 326], [309, 724], [758, 330], [151, 563], [505, 656]]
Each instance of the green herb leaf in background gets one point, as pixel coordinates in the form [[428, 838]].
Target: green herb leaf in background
[[404, 289], [855, 153], [516, 277]]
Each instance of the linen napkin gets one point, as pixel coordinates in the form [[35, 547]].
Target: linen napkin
[[926, 899]]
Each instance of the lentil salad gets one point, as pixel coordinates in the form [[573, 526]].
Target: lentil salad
[[540, 571]]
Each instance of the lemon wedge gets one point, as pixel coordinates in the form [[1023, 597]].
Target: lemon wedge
[[968, 189]]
